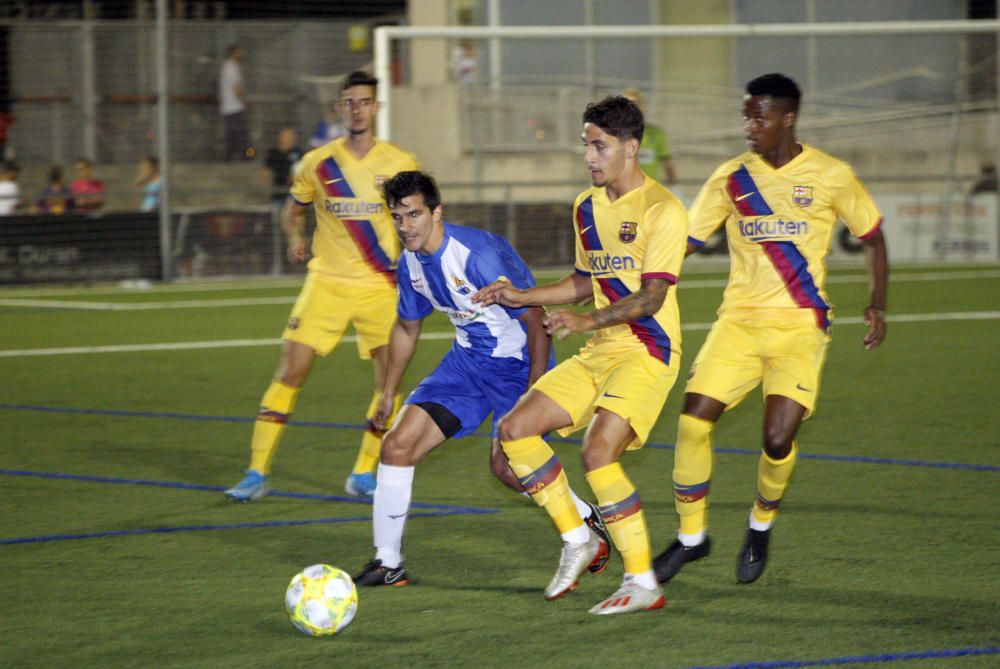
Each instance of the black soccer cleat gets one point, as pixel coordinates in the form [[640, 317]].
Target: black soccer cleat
[[669, 562], [752, 559], [596, 523], [375, 574]]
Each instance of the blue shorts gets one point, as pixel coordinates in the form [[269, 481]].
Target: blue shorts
[[471, 388]]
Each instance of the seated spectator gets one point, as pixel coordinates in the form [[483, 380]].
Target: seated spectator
[[280, 164], [88, 191], [10, 192], [148, 179], [56, 198]]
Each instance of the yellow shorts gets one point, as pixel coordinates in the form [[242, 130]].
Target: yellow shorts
[[327, 306], [633, 385], [738, 355]]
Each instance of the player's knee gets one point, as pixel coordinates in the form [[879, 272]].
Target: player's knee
[[512, 427], [597, 454], [396, 450], [777, 444]]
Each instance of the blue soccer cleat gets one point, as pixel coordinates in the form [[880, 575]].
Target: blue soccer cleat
[[360, 485], [253, 486]]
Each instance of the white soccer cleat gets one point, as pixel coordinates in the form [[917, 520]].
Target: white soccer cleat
[[630, 597], [574, 560]]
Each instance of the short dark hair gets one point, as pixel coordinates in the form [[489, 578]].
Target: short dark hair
[[359, 78], [55, 173], [405, 184], [776, 86], [616, 115], [231, 49]]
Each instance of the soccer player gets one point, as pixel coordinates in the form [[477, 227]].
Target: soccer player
[[779, 202], [351, 277], [630, 242], [498, 352]]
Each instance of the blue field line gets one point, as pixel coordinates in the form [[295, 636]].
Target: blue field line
[[432, 510], [859, 659], [567, 440], [455, 511]]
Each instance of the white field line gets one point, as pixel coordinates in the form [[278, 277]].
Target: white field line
[[242, 343], [260, 301]]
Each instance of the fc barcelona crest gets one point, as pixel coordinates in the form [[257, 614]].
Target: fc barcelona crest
[[802, 195], [626, 233]]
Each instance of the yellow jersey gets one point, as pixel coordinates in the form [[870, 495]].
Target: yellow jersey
[[354, 238], [779, 223], [641, 235]]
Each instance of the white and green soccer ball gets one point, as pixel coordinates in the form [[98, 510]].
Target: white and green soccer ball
[[321, 600]]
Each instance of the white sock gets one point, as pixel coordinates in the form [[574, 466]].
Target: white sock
[[578, 536], [390, 506], [646, 579], [581, 507], [690, 540], [759, 526]]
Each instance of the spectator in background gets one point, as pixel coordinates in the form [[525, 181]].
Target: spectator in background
[[148, 179], [654, 152], [10, 191], [56, 198], [87, 190], [464, 67], [281, 162], [329, 129], [232, 105], [987, 181]]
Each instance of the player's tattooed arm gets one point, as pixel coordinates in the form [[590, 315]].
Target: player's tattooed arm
[[644, 302]]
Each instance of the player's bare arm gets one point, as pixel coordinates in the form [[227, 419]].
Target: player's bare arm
[[402, 344], [878, 274], [567, 290], [644, 302], [293, 225], [539, 342]]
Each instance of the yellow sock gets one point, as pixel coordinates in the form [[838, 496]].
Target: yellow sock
[[275, 407], [692, 472], [621, 509], [772, 480], [371, 440], [542, 475]]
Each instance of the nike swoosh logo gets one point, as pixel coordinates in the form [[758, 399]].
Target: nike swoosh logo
[[617, 397], [394, 576], [402, 515], [799, 386], [585, 229], [331, 181], [743, 197]]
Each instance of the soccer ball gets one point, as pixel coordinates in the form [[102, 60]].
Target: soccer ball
[[321, 600]]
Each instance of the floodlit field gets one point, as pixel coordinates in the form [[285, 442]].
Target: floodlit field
[[124, 414]]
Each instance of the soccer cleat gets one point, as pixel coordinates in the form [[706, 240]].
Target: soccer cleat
[[574, 559], [669, 562], [253, 486], [596, 523], [360, 485], [375, 574], [752, 559], [630, 597]]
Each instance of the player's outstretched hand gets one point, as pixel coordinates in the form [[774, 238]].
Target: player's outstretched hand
[[501, 291], [561, 323], [875, 320], [383, 413]]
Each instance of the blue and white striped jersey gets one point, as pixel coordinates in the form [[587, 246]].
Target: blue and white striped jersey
[[469, 259]]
